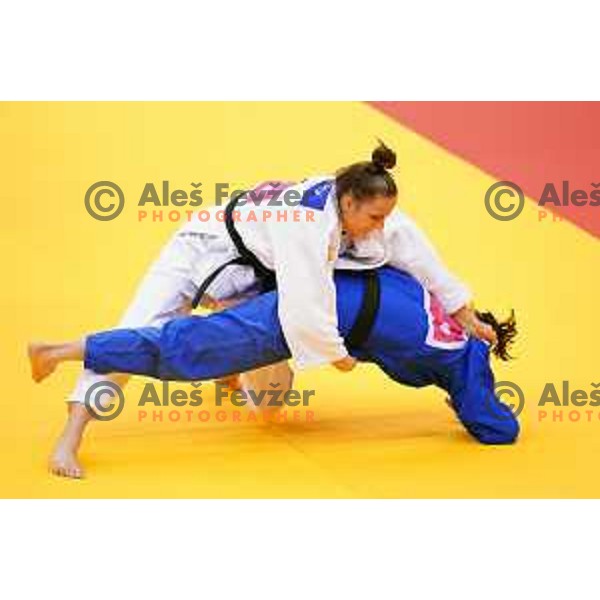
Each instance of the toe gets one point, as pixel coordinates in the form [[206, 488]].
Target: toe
[[57, 469], [75, 472]]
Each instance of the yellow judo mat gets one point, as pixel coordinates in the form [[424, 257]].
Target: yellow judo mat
[[65, 274]]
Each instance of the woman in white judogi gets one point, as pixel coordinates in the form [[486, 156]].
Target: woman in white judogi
[[346, 221]]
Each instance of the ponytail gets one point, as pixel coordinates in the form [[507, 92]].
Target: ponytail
[[506, 331]]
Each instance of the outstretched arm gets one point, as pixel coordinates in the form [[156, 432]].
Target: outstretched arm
[[411, 251]]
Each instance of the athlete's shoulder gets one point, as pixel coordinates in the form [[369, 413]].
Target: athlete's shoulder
[[398, 219], [316, 191]]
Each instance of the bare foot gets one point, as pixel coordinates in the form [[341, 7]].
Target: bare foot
[[233, 382], [64, 463], [42, 360]]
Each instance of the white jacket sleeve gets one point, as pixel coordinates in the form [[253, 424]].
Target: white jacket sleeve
[[410, 250], [307, 298]]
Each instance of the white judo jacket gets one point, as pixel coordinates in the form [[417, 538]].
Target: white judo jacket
[[303, 244]]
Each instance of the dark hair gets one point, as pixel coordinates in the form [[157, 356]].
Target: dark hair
[[365, 180], [506, 332]]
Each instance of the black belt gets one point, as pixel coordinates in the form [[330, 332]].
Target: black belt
[[367, 314], [246, 257]]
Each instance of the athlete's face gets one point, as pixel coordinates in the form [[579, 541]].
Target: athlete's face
[[359, 219]]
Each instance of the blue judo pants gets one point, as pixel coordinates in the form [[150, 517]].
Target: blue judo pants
[[249, 336]]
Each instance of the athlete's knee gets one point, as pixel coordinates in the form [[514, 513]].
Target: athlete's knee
[[489, 421], [493, 429], [506, 432]]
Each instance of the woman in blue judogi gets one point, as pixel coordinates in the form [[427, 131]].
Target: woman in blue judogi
[[385, 316]]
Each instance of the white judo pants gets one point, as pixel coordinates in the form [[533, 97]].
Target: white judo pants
[[167, 291]]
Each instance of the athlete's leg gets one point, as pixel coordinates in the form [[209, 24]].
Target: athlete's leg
[[164, 293], [188, 348], [474, 400], [278, 376]]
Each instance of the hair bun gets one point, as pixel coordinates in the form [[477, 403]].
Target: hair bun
[[383, 157]]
